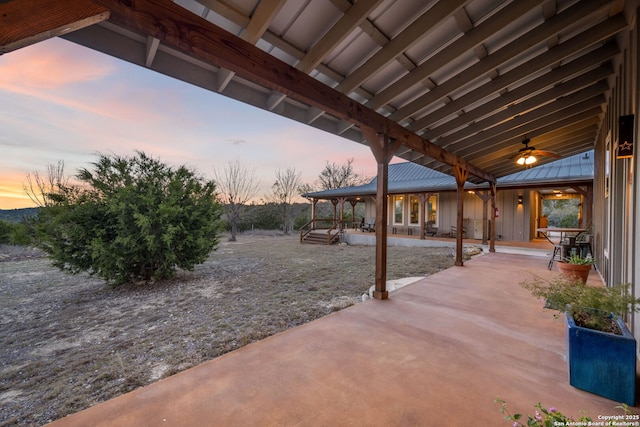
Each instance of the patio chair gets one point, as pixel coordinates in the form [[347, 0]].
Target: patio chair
[[454, 231], [369, 226], [430, 229]]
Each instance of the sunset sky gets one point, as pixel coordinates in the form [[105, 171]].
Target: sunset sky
[[61, 101]]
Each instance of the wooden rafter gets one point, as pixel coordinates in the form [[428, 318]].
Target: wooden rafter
[[504, 104], [189, 33], [418, 29], [473, 37], [351, 19], [541, 33]]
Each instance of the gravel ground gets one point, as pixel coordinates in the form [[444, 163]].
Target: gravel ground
[[70, 341]]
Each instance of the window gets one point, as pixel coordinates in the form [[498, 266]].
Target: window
[[414, 210], [432, 209], [398, 209]]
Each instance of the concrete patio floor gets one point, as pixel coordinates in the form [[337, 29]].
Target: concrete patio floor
[[437, 353]]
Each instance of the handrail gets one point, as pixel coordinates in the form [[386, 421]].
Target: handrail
[[307, 228], [329, 235]]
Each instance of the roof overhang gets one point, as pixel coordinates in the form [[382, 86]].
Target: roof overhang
[[457, 82]]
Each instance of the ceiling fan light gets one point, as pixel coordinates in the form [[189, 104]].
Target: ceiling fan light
[[526, 159]]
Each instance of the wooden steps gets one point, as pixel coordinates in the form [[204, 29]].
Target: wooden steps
[[321, 237]]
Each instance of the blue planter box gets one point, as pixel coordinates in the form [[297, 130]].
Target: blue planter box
[[602, 363]]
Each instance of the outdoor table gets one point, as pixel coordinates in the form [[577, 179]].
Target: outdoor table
[[560, 249], [564, 232]]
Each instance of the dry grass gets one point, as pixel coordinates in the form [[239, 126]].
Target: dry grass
[[69, 342]]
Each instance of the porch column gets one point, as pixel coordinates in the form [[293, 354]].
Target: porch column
[[353, 211], [423, 197], [484, 196], [334, 202], [587, 205], [461, 175], [383, 149], [341, 200], [314, 202], [492, 235]]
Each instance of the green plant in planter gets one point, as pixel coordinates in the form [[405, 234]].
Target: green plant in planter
[[576, 259], [542, 417], [591, 306]]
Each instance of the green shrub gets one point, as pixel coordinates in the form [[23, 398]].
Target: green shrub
[[5, 231], [15, 233], [134, 218], [21, 235]]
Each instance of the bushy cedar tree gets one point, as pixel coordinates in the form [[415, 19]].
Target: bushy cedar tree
[[131, 219]]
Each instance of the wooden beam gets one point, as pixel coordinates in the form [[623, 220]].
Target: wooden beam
[[351, 19], [505, 54], [181, 29], [25, 22], [493, 127], [472, 38], [505, 102], [416, 31], [557, 97], [558, 53]]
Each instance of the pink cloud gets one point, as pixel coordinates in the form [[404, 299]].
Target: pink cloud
[[48, 65]]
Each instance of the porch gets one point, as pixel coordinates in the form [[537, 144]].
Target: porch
[[437, 352]]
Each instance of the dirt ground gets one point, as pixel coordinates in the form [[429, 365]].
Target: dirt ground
[[69, 342]]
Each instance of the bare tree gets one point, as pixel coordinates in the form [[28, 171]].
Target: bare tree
[[43, 189], [337, 176], [284, 192], [236, 186]]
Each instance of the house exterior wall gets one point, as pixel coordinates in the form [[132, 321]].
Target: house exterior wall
[[515, 222], [616, 193]]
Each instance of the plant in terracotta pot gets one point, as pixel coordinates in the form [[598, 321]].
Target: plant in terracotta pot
[[601, 351], [576, 266]]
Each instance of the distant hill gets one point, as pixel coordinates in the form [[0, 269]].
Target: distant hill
[[17, 215]]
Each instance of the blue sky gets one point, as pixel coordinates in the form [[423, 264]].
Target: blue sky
[[61, 101]]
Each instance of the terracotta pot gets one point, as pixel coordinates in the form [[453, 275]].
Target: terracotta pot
[[574, 270]]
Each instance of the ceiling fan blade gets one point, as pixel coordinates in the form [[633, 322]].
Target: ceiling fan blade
[[522, 153], [545, 153]]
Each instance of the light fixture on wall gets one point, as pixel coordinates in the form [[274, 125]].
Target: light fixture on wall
[[520, 199]]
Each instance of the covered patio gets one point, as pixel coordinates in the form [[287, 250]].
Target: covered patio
[[438, 352], [456, 86]]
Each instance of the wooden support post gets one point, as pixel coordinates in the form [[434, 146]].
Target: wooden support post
[[461, 175], [587, 205], [492, 235], [423, 197], [353, 212], [334, 202], [341, 200], [485, 196], [314, 202], [383, 149]]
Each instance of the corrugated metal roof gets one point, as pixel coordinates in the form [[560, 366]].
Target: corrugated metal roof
[[410, 177], [571, 168]]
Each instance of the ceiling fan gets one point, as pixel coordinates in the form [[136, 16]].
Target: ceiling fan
[[527, 155]]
